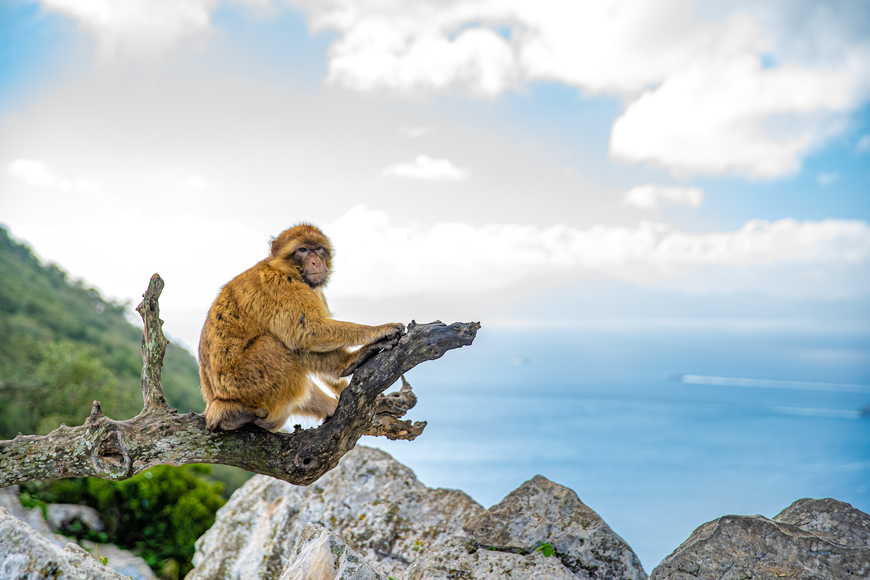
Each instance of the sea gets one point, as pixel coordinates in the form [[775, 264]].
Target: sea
[[657, 425]]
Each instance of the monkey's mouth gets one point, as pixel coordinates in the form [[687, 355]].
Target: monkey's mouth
[[315, 278]]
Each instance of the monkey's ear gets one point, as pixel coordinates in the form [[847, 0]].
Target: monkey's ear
[[275, 247]]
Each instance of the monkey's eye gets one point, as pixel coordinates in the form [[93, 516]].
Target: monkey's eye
[[302, 250]]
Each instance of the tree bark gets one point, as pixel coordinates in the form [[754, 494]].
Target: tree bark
[[159, 435]]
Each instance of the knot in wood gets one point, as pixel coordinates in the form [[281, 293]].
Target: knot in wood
[[109, 457]]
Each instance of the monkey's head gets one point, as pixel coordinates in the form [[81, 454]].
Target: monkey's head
[[302, 252]]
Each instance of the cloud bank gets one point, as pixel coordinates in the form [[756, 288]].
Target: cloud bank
[[463, 258]]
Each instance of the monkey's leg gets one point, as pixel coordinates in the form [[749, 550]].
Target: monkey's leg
[[259, 387], [318, 405]]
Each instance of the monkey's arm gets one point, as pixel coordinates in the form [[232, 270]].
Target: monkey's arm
[[306, 325]]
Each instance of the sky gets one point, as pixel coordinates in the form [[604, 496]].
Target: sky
[[469, 160]]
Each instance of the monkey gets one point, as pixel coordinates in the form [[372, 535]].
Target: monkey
[[270, 330]]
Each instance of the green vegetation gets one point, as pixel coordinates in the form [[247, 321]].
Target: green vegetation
[[158, 514], [62, 347], [547, 549]]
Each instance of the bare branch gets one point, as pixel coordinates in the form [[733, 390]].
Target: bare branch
[[159, 435]]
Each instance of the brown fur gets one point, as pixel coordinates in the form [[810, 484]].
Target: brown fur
[[270, 329]]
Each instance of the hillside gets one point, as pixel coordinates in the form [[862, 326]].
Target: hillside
[[55, 330]]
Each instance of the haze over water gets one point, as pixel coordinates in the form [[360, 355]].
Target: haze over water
[[593, 408]]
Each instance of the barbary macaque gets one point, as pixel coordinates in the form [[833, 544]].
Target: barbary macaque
[[270, 330]]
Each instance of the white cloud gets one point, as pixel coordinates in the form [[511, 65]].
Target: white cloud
[[37, 173], [863, 143], [826, 179], [137, 28], [491, 257], [650, 196], [718, 117], [428, 169], [415, 131], [699, 99]]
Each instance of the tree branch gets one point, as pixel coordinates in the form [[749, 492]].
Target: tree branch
[[160, 435]]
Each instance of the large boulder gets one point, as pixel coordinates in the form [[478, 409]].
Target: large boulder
[[377, 509], [810, 540], [373, 502], [508, 535], [323, 555], [27, 554]]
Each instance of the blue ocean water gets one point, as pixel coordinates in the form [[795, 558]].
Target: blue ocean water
[[601, 408]]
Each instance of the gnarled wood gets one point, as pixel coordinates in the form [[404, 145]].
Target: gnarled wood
[[159, 435]]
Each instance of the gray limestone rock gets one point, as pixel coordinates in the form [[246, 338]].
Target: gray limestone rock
[[829, 518], [33, 517], [459, 559], [373, 502], [124, 562], [540, 511], [322, 555], [26, 554], [810, 540]]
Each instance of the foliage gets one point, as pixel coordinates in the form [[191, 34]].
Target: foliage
[[52, 328], [159, 513], [547, 549]]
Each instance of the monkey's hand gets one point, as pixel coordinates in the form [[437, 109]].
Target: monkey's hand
[[394, 332], [366, 352]]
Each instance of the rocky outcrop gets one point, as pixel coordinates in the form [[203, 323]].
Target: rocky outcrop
[[26, 553], [504, 540], [323, 555], [406, 530], [66, 551], [373, 502], [809, 540]]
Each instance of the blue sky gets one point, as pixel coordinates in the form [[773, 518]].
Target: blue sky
[[550, 145]]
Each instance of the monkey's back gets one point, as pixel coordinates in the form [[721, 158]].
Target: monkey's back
[[231, 325], [241, 314]]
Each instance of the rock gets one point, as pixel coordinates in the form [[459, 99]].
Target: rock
[[459, 559], [538, 512], [33, 517], [811, 539], [375, 503], [125, 563], [322, 555], [829, 518], [27, 554], [64, 516]]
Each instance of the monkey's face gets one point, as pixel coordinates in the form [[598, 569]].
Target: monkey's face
[[302, 251], [313, 263]]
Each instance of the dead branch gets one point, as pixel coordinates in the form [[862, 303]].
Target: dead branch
[[159, 435]]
